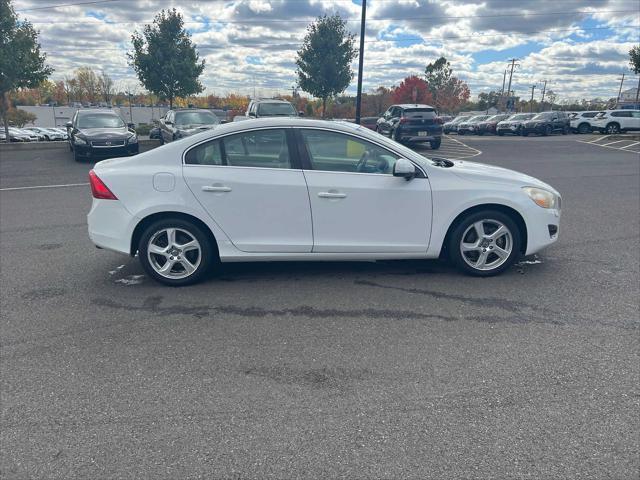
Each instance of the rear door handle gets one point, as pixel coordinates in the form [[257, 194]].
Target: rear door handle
[[216, 188], [332, 195]]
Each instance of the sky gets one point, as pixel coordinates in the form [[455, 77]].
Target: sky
[[579, 46]]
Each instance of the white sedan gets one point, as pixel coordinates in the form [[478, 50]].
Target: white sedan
[[292, 189]]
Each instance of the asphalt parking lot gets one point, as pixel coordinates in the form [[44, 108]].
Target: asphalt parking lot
[[399, 369]]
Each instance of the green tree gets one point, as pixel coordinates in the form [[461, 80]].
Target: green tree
[[324, 61], [22, 65], [438, 74], [165, 59], [634, 59], [19, 118], [448, 92]]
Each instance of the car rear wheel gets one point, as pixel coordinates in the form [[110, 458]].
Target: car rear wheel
[[484, 243], [175, 252], [613, 128]]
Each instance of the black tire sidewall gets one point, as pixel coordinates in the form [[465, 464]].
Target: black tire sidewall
[[453, 245], [208, 256]]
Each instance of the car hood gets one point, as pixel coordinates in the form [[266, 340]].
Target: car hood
[[105, 133], [488, 173]]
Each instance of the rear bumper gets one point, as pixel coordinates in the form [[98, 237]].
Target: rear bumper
[[110, 225]]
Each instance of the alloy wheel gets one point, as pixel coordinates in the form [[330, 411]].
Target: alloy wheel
[[174, 253], [486, 244]]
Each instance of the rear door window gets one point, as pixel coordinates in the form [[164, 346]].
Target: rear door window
[[258, 148]]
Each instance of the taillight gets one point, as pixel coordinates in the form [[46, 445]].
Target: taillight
[[99, 189], [439, 120]]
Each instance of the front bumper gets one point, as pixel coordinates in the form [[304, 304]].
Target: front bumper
[[89, 151], [543, 228], [512, 129]]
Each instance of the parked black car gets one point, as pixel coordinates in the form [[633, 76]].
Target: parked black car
[[489, 125], [471, 125], [546, 123], [409, 123], [181, 123], [154, 133], [513, 124], [97, 133]]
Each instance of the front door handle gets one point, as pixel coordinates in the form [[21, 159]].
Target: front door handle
[[332, 195], [216, 188]]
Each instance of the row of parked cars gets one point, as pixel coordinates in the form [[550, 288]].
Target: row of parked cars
[[33, 134], [546, 123]]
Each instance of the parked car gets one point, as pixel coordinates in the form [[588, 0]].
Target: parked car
[[452, 126], [411, 123], [489, 125], [184, 122], [46, 134], [270, 107], [100, 133], [154, 133], [62, 131], [513, 124], [471, 125], [20, 135], [546, 123], [292, 189], [616, 121], [580, 122]]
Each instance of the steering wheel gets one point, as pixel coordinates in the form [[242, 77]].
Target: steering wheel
[[362, 163]]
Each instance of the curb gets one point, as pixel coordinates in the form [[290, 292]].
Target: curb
[[64, 145]]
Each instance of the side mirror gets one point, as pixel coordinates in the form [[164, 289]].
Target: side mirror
[[68, 125], [404, 168], [300, 113]]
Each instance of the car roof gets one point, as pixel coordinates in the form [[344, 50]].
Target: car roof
[[412, 105], [191, 110], [269, 100], [85, 111]]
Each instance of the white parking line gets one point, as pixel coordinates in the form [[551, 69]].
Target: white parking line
[[630, 145], [611, 143], [44, 186]]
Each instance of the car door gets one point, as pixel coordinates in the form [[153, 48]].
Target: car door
[[357, 205], [254, 189]]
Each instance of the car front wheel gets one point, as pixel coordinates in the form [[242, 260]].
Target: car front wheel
[[485, 243], [175, 252], [613, 128]]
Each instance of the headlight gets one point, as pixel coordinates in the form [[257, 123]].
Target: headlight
[[79, 141], [542, 198], [133, 139]]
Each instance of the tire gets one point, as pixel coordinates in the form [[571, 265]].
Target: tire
[[584, 128], [612, 128], [70, 147], [161, 139], [548, 130], [460, 132], [479, 248], [199, 259], [565, 131], [436, 144]]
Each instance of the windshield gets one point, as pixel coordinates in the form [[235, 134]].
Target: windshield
[[419, 112], [196, 118], [521, 116], [460, 119], [100, 120], [276, 109], [497, 118], [478, 118]]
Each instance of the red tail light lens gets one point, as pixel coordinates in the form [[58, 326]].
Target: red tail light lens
[[99, 189], [439, 120]]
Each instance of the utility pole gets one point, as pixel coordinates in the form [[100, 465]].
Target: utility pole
[[544, 89], [533, 89], [504, 79], [513, 65], [620, 91], [361, 62]]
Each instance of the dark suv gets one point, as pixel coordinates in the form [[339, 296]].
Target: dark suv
[[546, 123], [95, 133], [408, 123], [181, 123]]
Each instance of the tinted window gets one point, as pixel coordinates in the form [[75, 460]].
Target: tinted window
[[99, 120], [419, 113], [589, 114], [543, 116], [337, 152], [621, 114], [635, 114], [260, 148], [206, 154], [196, 118], [276, 109]]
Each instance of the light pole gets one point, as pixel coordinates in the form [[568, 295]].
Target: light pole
[[533, 88], [361, 62]]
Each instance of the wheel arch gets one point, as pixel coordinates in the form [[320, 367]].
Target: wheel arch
[[154, 217], [511, 212]]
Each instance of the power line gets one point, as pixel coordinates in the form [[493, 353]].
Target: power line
[[268, 20], [94, 2]]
